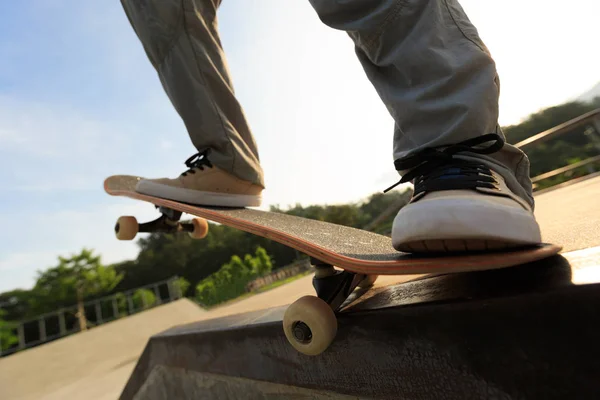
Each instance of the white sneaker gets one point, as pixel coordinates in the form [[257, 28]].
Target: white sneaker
[[461, 205], [204, 184]]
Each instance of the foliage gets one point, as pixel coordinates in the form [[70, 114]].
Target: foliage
[[58, 286], [15, 304], [7, 336], [181, 285], [576, 145], [548, 118], [231, 279], [163, 256], [121, 300], [143, 298]]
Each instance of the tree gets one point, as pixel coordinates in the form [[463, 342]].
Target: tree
[[181, 285], [121, 300], [571, 147], [143, 298], [546, 119], [72, 280], [7, 337], [262, 262]]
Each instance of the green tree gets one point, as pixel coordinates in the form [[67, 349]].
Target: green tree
[[7, 336], [143, 298], [575, 145], [15, 304], [181, 285], [262, 262], [121, 300], [546, 119], [74, 278], [162, 256], [206, 291]]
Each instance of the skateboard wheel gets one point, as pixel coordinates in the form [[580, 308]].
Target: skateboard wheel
[[310, 325], [200, 228], [126, 228], [367, 282]]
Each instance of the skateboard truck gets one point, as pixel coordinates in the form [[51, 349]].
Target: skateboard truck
[[127, 227], [333, 286], [309, 323]]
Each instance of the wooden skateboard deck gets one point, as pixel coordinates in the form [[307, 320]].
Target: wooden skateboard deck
[[310, 324], [349, 248]]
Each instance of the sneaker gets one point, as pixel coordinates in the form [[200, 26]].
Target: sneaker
[[461, 205], [204, 184]]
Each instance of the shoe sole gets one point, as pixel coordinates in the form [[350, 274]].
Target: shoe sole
[[458, 225], [197, 197], [456, 245]]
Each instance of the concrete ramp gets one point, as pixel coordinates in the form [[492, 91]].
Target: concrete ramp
[[104, 356], [178, 383], [525, 332]]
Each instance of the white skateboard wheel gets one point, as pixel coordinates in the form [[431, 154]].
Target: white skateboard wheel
[[200, 228], [126, 228], [368, 281], [310, 325]]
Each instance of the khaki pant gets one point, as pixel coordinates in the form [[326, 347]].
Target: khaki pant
[[424, 58]]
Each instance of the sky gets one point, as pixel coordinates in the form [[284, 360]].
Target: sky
[[79, 101]]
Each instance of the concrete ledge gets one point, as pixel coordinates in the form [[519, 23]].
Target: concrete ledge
[[524, 332]]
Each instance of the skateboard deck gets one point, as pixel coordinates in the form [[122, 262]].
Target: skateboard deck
[[349, 248], [310, 324]]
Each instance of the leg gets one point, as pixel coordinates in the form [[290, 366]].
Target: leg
[[181, 40], [439, 82]]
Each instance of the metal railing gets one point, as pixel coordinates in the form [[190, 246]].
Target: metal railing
[[591, 118], [120, 304], [296, 268], [569, 167]]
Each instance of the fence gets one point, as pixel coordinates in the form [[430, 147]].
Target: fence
[[282, 273], [63, 322], [590, 120]]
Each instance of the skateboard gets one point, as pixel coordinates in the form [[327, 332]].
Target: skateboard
[[344, 258]]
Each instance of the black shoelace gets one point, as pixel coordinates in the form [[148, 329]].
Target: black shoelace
[[198, 160], [433, 169]]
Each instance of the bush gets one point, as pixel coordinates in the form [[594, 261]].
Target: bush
[[7, 336], [230, 281], [143, 298], [122, 304], [181, 285]]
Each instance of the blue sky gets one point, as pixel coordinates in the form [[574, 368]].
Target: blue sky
[[79, 101]]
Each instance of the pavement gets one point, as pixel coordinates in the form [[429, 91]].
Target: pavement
[[570, 216], [89, 365]]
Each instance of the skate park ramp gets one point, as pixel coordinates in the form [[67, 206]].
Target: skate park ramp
[[97, 364], [189, 350], [90, 365]]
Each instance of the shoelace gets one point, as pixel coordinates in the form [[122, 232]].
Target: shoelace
[[451, 173], [198, 160]]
